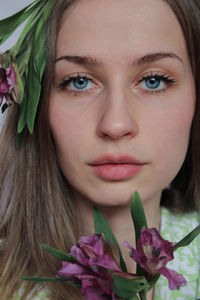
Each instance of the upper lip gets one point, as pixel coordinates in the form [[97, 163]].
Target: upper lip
[[115, 159]]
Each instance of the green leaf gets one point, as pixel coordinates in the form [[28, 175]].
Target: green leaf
[[59, 254], [36, 61], [139, 221], [40, 279], [10, 24], [127, 288], [39, 43], [188, 238], [47, 279], [101, 226], [138, 215], [30, 99], [40, 53], [28, 31], [22, 59], [153, 281], [34, 89], [23, 111], [135, 297]]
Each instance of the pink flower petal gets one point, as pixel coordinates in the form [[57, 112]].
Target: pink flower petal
[[97, 282], [4, 87], [70, 269], [92, 291], [175, 280], [92, 244], [104, 261], [153, 251], [11, 76], [137, 256], [80, 255]]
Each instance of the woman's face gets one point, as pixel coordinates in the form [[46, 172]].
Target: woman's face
[[123, 99]]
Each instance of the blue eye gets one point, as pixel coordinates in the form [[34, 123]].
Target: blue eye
[[80, 83], [155, 83], [152, 83], [77, 83]]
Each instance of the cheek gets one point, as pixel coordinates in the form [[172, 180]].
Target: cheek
[[172, 138], [69, 131]]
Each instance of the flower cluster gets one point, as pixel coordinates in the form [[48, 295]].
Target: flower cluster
[[8, 81], [153, 254], [96, 265], [22, 66], [95, 260]]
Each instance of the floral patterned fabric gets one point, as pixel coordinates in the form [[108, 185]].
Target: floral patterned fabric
[[186, 262]]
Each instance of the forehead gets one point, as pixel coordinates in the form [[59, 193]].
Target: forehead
[[113, 28]]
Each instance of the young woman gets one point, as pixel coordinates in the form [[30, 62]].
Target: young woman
[[119, 113]]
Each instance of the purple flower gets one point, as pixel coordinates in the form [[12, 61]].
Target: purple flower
[[153, 254], [95, 259], [7, 84]]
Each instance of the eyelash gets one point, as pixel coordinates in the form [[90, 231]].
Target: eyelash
[[163, 78], [71, 78]]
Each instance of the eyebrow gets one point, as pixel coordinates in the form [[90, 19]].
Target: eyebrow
[[146, 59], [152, 57], [81, 60]]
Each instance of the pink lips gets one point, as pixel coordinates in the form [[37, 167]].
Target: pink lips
[[116, 167]]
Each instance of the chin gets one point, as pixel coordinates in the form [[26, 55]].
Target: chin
[[111, 198]]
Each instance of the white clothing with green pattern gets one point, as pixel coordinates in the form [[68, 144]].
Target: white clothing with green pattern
[[186, 262], [186, 259]]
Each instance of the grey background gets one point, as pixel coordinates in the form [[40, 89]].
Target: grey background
[[7, 8]]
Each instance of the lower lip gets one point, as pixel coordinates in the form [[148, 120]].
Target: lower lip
[[117, 171]]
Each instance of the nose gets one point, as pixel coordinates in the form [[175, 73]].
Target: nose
[[117, 119]]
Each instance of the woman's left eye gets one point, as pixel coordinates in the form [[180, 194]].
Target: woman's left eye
[[155, 83], [77, 83]]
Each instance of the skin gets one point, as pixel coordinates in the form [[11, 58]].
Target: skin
[[117, 114]]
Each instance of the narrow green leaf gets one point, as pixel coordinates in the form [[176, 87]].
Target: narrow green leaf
[[23, 111], [188, 238], [138, 215], [29, 29], [101, 226], [59, 254], [23, 55], [39, 44], [40, 279], [139, 221], [127, 288], [36, 64], [10, 24], [30, 100], [34, 90], [47, 279], [40, 53], [153, 281]]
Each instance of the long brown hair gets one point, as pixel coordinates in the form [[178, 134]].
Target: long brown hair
[[35, 204]]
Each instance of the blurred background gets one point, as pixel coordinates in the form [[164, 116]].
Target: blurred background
[[9, 7]]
